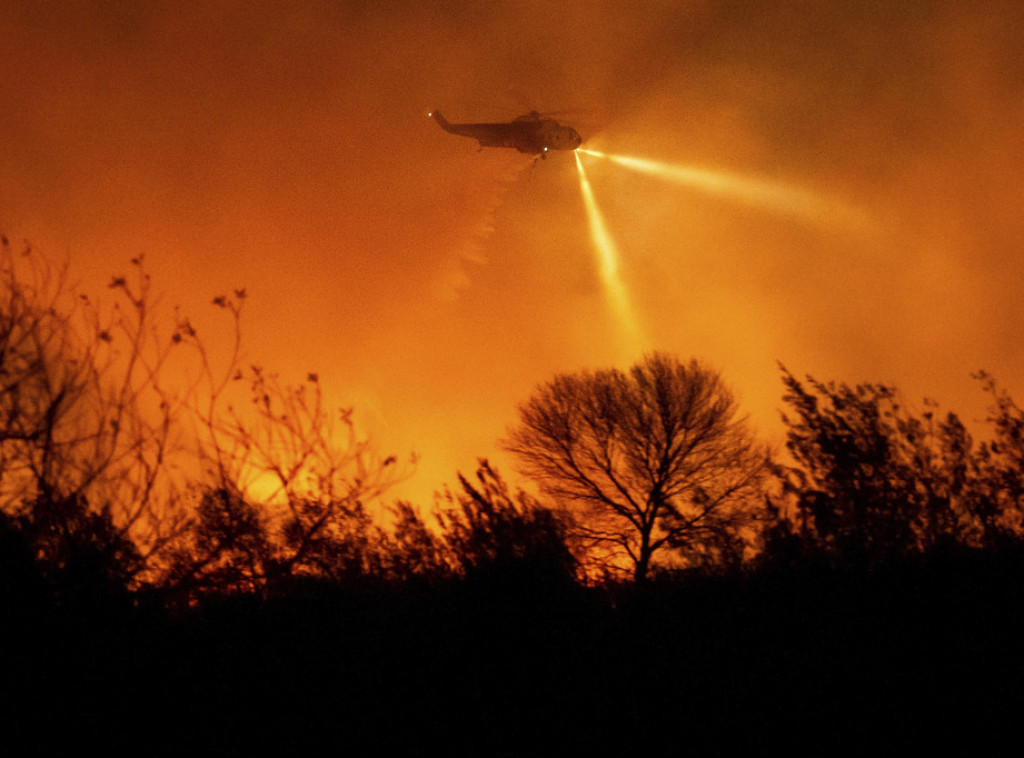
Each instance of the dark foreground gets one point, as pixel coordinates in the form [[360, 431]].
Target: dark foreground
[[917, 657]]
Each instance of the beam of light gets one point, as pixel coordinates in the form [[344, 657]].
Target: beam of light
[[608, 261], [772, 196]]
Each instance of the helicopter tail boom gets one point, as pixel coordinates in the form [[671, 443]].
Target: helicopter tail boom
[[488, 135]]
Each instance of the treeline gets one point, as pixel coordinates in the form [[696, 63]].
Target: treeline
[[183, 537], [128, 460], [874, 482]]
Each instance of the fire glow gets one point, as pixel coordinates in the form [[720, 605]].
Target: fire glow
[[608, 262]]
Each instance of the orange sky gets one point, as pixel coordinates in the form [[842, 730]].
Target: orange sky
[[287, 149]]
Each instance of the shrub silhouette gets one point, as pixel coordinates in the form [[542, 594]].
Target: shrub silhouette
[[495, 535], [873, 482]]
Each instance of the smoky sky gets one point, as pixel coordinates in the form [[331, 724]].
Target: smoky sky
[[286, 148]]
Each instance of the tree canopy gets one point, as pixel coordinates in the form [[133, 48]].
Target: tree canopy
[[654, 460]]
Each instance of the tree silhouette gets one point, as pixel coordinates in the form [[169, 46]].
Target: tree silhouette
[[227, 550], [96, 439], [84, 420], [651, 461], [414, 549], [287, 483], [997, 498], [489, 531], [871, 481]]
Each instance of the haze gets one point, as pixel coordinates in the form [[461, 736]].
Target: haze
[[431, 285]]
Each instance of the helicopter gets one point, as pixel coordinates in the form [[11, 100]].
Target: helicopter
[[531, 133]]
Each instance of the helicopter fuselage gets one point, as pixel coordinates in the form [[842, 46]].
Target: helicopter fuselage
[[529, 134]]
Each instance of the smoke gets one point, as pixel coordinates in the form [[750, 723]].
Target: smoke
[[286, 149]]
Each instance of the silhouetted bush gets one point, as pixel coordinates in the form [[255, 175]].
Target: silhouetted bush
[[67, 555], [494, 536], [872, 482]]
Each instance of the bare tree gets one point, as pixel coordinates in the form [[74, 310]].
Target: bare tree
[[652, 461], [83, 418], [285, 483], [312, 471], [112, 425]]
